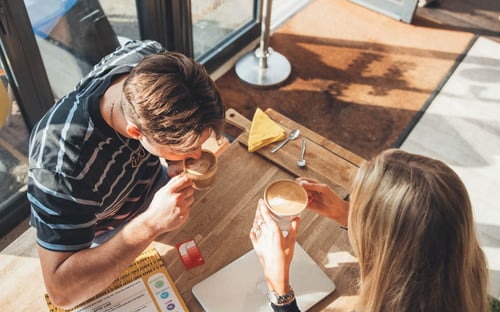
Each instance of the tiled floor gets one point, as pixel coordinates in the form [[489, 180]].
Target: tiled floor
[[462, 128]]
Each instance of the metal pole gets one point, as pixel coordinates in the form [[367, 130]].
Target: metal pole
[[264, 67], [264, 36]]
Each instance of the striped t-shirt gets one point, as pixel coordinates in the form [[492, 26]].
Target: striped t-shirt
[[81, 178]]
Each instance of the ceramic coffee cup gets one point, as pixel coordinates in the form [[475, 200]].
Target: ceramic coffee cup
[[201, 171], [286, 199]]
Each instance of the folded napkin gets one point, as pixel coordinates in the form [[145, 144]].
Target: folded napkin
[[263, 131]]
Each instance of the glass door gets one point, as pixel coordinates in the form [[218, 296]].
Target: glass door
[[13, 156], [73, 35], [215, 22], [222, 28], [210, 31], [24, 96]]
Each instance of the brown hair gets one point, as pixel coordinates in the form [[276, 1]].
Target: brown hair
[[411, 226], [172, 99]]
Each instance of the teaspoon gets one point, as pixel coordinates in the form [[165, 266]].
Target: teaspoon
[[302, 162], [291, 136]]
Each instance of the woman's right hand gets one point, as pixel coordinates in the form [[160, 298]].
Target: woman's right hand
[[324, 201], [274, 250]]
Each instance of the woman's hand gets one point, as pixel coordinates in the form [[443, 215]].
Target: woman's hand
[[275, 251], [324, 201]]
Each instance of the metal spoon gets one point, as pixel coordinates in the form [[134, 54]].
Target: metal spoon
[[291, 136], [302, 162]]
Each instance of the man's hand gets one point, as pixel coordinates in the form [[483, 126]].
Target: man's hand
[[174, 168], [73, 277], [171, 205]]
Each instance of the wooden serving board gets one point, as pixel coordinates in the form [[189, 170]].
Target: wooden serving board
[[327, 162]]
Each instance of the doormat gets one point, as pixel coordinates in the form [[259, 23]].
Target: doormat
[[359, 78]]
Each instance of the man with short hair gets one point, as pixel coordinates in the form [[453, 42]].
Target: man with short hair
[[99, 194]]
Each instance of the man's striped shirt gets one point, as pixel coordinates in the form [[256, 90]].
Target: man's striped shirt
[[81, 180]]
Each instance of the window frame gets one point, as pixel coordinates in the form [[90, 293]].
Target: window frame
[[170, 23]]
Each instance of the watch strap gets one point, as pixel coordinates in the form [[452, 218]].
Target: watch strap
[[280, 300], [289, 307]]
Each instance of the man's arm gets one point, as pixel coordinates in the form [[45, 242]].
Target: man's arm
[[73, 277]]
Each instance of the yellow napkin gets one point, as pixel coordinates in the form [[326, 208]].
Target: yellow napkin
[[263, 131]]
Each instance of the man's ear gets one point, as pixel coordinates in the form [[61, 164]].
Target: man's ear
[[133, 131]]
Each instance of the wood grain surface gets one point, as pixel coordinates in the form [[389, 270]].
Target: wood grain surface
[[221, 218], [220, 223]]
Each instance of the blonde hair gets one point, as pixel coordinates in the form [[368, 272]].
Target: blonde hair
[[411, 226]]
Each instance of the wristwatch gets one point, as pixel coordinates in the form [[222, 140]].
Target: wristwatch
[[278, 300]]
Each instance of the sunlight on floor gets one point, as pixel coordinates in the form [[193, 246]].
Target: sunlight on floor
[[335, 259]]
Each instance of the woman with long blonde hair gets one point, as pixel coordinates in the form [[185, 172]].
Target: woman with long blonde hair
[[410, 225]]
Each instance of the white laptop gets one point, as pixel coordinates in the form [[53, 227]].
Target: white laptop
[[240, 285]]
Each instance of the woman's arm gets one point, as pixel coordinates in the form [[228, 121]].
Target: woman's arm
[[275, 252]]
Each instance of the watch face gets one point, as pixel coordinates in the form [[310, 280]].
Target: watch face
[[273, 297]]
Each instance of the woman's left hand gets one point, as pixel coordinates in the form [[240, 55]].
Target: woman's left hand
[[275, 251]]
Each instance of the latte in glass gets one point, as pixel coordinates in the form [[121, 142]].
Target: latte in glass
[[201, 171]]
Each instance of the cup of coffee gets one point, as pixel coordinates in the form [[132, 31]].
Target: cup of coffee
[[201, 171], [285, 199]]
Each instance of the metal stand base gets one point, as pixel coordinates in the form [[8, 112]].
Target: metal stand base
[[278, 69]]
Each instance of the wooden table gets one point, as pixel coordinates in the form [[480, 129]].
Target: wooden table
[[220, 222], [221, 217]]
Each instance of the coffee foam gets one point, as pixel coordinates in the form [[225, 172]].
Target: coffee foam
[[285, 206], [200, 166], [286, 197]]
